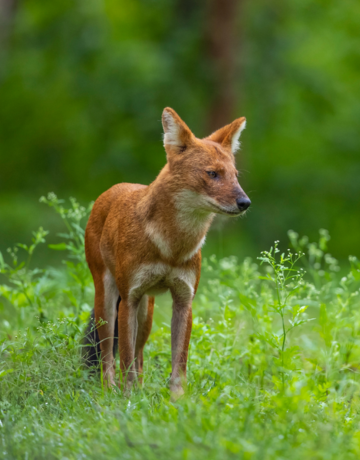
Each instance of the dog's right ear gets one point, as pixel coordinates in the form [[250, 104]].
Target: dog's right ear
[[177, 135]]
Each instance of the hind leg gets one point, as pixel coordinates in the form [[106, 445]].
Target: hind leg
[[135, 319], [145, 317], [106, 296]]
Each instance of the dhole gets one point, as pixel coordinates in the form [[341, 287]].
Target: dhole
[[141, 241]]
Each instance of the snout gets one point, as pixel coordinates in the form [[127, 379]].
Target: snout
[[243, 203]]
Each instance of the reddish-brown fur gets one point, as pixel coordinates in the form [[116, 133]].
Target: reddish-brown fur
[[142, 240]]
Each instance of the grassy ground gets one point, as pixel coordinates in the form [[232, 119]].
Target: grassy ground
[[273, 369]]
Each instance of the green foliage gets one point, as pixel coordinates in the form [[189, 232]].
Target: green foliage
[[26, 287], [83, 85], [273, 364], [80, 278], [287, 283], [43, 290]]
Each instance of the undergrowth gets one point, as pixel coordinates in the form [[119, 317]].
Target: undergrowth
[[273, 367]]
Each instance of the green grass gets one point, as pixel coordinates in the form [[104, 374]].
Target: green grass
[[273, 370]]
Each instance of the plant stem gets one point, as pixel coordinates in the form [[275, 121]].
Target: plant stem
[[283, 348]]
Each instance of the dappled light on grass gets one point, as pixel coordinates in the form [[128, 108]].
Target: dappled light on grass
[[273, 369]]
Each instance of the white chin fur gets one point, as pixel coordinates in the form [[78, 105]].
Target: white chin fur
[[188, 201]]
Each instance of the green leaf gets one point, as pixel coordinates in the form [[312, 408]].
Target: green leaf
[[58, 247], [249, 304], [8, 371]]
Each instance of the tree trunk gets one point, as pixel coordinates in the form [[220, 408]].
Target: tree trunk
[[7, 13], [222, 41]]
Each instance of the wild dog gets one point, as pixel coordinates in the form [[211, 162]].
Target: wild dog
[[141, 241]]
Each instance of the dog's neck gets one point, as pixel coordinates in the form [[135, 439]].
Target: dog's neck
[[173, 219]]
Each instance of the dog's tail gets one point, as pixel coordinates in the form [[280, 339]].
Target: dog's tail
[[91, 352]]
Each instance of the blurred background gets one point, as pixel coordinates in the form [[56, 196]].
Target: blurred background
[[83, 85]]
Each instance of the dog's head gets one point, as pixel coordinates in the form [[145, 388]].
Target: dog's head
[[205, 169]]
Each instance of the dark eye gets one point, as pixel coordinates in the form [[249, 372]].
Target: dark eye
[[212, 174]]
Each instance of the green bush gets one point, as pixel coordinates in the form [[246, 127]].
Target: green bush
[[273, 364]]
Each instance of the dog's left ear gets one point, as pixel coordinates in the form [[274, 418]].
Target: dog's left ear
[[229, 135]]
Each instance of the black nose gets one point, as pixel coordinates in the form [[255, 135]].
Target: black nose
[[243, 203]]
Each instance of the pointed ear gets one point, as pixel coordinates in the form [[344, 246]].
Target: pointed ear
[[177, 135], [229, 135]]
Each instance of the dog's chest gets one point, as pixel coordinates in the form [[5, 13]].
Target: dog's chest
[[155, 279]]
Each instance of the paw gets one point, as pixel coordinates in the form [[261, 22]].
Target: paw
[[176, 391], [110, 384], [109, 378], [127, 386]]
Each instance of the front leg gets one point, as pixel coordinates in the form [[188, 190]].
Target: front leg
[[181, 324]]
